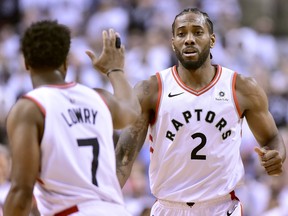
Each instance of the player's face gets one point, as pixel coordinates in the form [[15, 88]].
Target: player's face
[[191, 40]]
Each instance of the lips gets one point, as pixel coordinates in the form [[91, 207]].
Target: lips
[[190, 52]]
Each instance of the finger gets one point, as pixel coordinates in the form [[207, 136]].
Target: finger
[[105, 39], [122, 49], [91, 55], [112, 37], [260, 151], [271, 155], [276, 172], [272, 162]]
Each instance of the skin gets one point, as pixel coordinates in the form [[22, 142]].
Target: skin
[[25, 123], [192, 33]]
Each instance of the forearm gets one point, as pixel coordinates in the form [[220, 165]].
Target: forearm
[[126, 153], [18, 202], [128, 147], [123, 90], [277, 143], [123, 171]]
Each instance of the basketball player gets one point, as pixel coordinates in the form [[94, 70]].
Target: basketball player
[[61, 133], [194, 112]]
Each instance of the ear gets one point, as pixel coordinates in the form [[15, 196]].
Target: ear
[[172, 45], [173, 48], [212, 40]]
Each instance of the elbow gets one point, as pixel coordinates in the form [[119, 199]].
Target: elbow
[[135, 112], [134, 115], [126, 120], [127, 117]]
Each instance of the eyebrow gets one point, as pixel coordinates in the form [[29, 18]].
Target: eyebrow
[[194, 26]]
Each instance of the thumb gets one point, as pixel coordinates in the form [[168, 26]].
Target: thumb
[[260, 151], [91, 55]]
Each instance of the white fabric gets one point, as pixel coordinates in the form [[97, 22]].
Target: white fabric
[[218, 207], [70, 162], [195, 140]]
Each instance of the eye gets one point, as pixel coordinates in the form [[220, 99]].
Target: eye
[[180, 34], [199, 32]]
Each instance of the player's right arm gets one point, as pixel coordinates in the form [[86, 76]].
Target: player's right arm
[[132, 138], [25, 126], [123, 104]]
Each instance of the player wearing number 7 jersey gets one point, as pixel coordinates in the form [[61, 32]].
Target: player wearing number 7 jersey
[[192, 114], [61, 133]]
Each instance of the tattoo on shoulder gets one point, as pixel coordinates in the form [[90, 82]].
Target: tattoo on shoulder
[[146, 88]]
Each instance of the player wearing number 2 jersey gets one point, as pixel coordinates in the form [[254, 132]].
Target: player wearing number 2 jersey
[[61, 133], [192, 114], [211, 135]]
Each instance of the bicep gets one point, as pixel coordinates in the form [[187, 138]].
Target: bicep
[[121, 112], [262, 125], [254, 102], [23, 134]]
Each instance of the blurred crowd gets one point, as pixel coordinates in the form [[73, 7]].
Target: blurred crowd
[[145, 29]]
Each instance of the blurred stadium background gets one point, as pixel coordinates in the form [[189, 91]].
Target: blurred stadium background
[[251, 39]]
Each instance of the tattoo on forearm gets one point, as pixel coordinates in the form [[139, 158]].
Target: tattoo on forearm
[[130, 143]]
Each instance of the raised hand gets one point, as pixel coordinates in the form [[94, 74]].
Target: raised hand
[[111, 57]]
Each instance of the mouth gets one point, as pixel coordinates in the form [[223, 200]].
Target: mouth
[[189, 52]]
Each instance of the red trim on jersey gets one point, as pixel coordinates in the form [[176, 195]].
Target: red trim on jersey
[[68, 211], [204, 89], [158, 99], [151, 150], [234, 95], [42, 109], [150, 138], [65, 85], [40, 181], [233, 196]]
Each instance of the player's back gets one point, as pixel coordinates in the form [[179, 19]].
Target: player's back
[[77, 150]]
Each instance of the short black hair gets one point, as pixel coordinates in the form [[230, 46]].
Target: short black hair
[[45, 44], [196, 11]]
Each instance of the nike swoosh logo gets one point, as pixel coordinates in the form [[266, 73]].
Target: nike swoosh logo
[[173, 95], [230, 212]]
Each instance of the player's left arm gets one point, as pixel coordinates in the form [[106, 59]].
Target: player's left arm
[[253, 103], [25, 128]]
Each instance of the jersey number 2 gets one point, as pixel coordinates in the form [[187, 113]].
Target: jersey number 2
[[194, 155], [95, 148]]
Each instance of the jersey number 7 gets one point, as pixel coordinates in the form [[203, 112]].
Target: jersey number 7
[[95, 148]]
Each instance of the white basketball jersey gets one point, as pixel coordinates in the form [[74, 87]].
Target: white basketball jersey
[[77, 151], [195, 140]]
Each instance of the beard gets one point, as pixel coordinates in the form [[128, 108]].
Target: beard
[[193, 65]]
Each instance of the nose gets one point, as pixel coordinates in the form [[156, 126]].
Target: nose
[[190, 39]]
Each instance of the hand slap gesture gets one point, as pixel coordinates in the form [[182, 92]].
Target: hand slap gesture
[[112, 55]]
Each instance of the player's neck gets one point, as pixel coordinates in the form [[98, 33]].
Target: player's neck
[[199, 78], [46, 77]]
